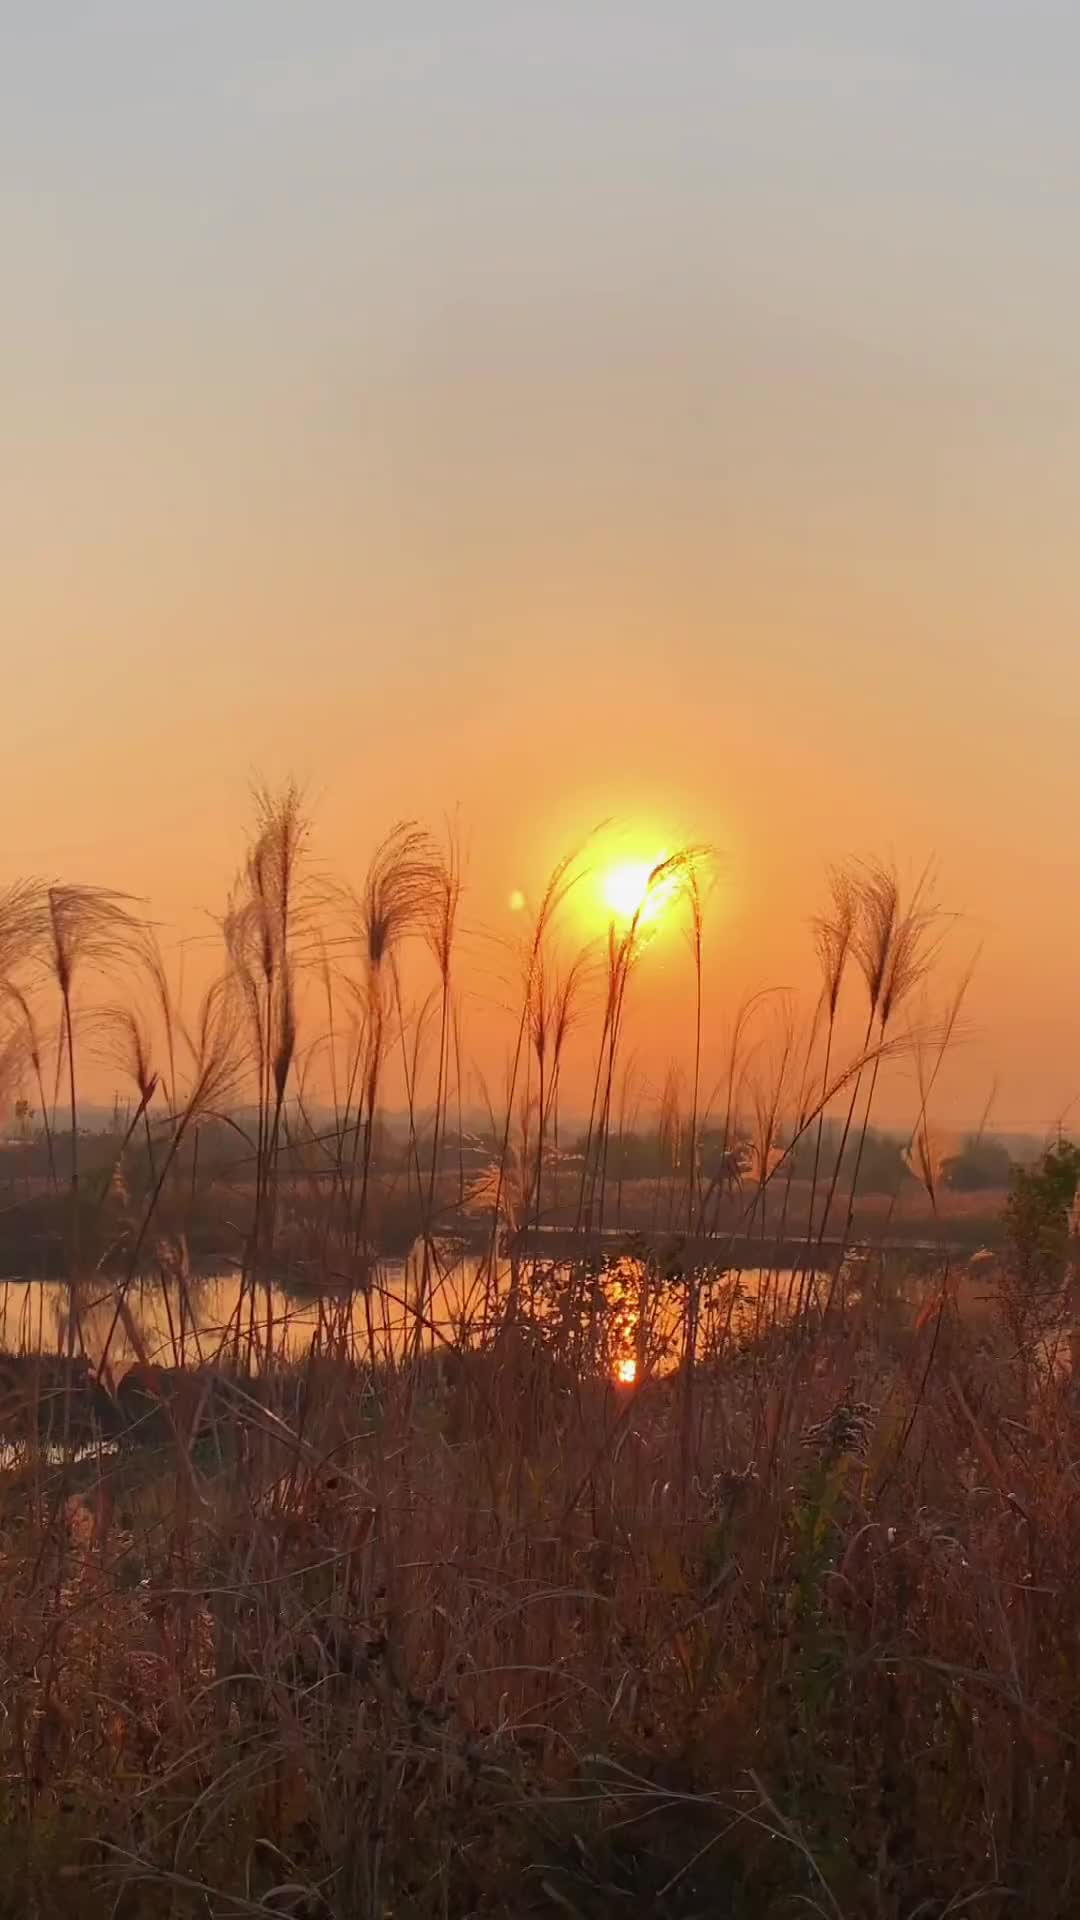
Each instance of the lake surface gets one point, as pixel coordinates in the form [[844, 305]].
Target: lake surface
[[183, 1325]]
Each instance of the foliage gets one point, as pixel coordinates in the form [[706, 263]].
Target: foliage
[[881, 1168], [1037, 1218], [982, 1165]]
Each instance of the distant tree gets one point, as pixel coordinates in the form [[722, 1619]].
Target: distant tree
[[981, 1165], [660, 1153], [634, 1156], [882, 1168]]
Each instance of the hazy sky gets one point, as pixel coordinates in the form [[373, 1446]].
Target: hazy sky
[[563, 410]]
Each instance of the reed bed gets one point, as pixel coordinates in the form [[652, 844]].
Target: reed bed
[[624, 1586]]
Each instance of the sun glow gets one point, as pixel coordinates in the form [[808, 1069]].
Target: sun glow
[[630, 890], [626, 1371]]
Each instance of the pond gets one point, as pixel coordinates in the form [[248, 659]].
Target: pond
[[454, 1300]]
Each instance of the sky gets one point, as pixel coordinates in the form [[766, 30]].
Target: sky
[[554, 413]]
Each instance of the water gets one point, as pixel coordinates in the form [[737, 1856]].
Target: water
[[199, 1321]]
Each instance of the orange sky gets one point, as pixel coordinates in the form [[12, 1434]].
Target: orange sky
[[556, 413]]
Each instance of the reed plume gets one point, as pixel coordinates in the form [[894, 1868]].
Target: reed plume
[[394, 903], [692, 888], [563, 877], [82, 927], [895, 943], [834, 939], [33, 1053], [22, 914]]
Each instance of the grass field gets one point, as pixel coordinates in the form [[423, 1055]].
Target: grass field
[[616, 1595]]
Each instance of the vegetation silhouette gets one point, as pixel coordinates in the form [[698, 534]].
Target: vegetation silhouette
[[655, 1540]]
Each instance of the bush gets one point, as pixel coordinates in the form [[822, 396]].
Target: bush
[[979, 1167], [1037, 1219]]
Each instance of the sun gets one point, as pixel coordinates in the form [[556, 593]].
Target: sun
[[627, 892]]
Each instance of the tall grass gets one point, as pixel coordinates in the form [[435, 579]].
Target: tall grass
[[544, 1574]]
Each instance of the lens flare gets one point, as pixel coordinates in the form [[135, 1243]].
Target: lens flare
[[630, 890]]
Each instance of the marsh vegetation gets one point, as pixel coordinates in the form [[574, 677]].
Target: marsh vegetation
[[598, 1581]]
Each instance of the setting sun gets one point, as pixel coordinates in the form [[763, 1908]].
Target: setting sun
[[627, 891]]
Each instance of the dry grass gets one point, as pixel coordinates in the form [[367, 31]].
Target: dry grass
[[456, 1640], [458, 1624]]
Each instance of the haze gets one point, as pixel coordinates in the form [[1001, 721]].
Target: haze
[[556, 413]]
